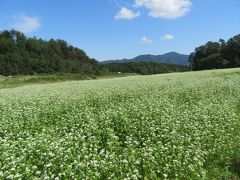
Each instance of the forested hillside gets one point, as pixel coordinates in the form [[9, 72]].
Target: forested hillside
[[145, 67], [168, 58], [216, 55], [23, 55]]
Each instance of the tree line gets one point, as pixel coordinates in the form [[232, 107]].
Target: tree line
[[216, 55], [25, 55], [145, 67]]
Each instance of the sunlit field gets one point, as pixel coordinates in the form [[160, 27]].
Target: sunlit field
[[179, 125]]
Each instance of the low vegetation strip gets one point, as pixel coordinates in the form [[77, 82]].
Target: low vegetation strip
[[21, 80], [180, 125]]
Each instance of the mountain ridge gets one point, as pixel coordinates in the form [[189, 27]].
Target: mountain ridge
[[168, 58]]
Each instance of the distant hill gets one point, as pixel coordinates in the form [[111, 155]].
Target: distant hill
[[168, 58]]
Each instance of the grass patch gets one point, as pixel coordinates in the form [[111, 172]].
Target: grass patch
[[20, 80], [2, 78]]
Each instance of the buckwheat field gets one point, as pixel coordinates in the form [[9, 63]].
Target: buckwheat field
[[173, 126]]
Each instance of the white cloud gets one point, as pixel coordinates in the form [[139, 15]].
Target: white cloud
[[168, 9], [125, 13], [26, 23], [145, 40], [168, 37]]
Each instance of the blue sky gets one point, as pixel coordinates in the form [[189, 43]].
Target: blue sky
[[115, 29]]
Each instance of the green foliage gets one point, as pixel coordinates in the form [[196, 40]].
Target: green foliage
[[171, 126], [22, 55], [144, 68], [216, 55], [235, 164]]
